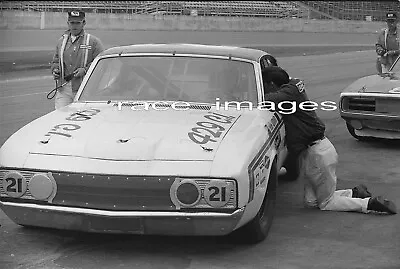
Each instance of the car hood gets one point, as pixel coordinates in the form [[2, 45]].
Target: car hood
[[109, 133], [375, 84]]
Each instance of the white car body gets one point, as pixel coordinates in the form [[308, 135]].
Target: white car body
[[371, 105], [106, 167]]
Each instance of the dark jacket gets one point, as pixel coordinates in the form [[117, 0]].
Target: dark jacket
[[303, 126]]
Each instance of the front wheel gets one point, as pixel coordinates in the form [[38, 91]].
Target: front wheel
[[257, 229]]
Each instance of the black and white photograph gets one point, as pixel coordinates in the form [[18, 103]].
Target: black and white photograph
[[200, 134]]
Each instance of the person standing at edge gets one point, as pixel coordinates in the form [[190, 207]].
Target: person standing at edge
[[75, 51], [387, 46]]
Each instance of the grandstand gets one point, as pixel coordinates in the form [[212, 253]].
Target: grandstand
[[343, 10], [353, 10]]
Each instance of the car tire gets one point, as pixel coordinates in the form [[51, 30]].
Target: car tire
[[258, 228], [353, 133]]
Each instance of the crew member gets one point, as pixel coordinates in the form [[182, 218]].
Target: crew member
[[75, 51], [317, 156], [387, 46]]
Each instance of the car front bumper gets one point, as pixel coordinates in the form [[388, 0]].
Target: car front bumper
[[375, 125], [372, 114], [129, 222]]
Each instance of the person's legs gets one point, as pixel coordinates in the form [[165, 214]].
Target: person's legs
[[340, 202], [385, 69], [319, 169], [309, 196], [379, 65], [64, 97], [322, 176]]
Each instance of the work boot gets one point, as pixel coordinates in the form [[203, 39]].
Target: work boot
[[282, 171], [380, 204], [361, 191]]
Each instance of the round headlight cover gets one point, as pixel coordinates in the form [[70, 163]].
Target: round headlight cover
[[40, 186], [188, 193], [14, 184]]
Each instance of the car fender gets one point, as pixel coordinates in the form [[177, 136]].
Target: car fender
[[254, 206]]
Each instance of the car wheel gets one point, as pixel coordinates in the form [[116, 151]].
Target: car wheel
[[257, 229], [353, 133]]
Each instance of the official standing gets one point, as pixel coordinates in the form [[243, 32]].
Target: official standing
[[75, 51], [387, 46]]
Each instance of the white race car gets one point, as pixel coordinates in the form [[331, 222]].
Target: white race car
[[371, 105], [165, 139]]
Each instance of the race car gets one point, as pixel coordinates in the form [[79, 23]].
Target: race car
[[371, 105], [166, 139]]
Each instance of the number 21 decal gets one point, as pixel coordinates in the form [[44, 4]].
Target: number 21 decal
[[217, 193], [14, 184]]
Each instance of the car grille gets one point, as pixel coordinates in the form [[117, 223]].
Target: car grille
[[361, 104], [390, 106], [115, 192]]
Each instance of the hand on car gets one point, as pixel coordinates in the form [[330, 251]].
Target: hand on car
[[80, 72], [56, 73], [393, 52]]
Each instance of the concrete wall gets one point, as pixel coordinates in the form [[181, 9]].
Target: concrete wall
[[57, 20]]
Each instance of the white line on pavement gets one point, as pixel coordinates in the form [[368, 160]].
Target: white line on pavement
[[28, 94], [24, 79]]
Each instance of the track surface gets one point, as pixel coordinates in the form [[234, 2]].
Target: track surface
[[25, 48], [299, 238]]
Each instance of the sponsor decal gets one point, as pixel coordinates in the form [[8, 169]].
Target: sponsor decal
[[395, 90], [217, 193], [211, 130], [260, 165], [14, 184], [300, 86], [63, 129]]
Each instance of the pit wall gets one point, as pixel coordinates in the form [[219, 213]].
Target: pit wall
[[100, 21]]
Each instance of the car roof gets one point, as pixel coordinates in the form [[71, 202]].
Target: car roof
[[215, 50]]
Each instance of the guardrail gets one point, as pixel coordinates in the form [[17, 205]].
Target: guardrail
[[57, 20]]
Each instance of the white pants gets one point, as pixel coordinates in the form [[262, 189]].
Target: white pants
[[384, 69], [318, 172], [64, 96]]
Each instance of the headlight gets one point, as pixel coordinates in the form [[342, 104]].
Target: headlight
[[27, 185], [41, 186], [188, 193], [204, 193]]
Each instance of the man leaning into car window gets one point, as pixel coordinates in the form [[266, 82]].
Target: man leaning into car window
[[75, 51], [387, 46], [317, 156]]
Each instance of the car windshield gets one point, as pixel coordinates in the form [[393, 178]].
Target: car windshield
[[396, 66], [175, 78]]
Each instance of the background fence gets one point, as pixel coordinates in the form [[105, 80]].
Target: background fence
[[323, 10]]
